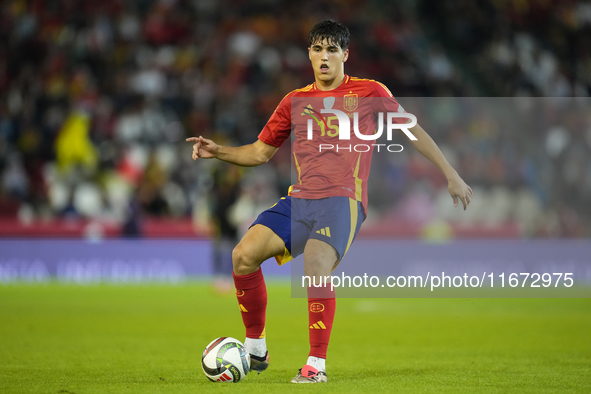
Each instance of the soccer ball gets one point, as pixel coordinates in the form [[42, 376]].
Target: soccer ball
[[225, 359]]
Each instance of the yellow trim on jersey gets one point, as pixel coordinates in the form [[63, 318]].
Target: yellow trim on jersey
[[282, 198], [298, 169], [385, 88], [264, 333], [353, 209], [285, 258], [358, 181], [373, 80], [304, 89]]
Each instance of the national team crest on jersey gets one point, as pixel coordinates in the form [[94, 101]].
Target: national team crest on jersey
[[350, 102]]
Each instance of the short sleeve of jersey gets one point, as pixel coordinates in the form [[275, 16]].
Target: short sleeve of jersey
[[278, 128], [389, 103]]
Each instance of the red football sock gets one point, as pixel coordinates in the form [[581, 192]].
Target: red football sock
[[321, 309], [251, 293]]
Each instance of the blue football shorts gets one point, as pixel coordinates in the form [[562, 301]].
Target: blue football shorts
[[334, 220]]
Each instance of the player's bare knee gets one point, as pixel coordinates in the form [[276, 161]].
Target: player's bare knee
[[244, 262]]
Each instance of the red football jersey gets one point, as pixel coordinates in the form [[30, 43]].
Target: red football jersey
[[342, 170]]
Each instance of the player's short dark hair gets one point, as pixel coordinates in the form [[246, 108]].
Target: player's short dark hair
[[331, 31]]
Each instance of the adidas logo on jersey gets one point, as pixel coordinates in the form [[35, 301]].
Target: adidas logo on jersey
[[324, 231]]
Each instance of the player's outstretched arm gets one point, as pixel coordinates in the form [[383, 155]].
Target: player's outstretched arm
[[458, 189], [250, 155]]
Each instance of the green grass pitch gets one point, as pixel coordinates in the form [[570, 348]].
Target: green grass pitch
[[57, 338]]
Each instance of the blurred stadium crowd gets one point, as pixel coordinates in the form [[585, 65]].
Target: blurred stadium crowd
[[96, 99]]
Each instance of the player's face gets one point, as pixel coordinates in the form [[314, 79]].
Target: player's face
[[327, 60]]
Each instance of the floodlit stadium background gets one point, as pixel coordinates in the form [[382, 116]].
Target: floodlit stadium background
[[97, 189], [96, 99]]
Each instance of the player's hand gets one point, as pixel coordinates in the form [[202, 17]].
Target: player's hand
[[203, 148], [458, 189]]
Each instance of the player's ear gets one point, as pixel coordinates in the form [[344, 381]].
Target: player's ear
[[345, 55], [309, 53]]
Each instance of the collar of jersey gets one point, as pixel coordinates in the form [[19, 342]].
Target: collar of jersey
[[347, 79]]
